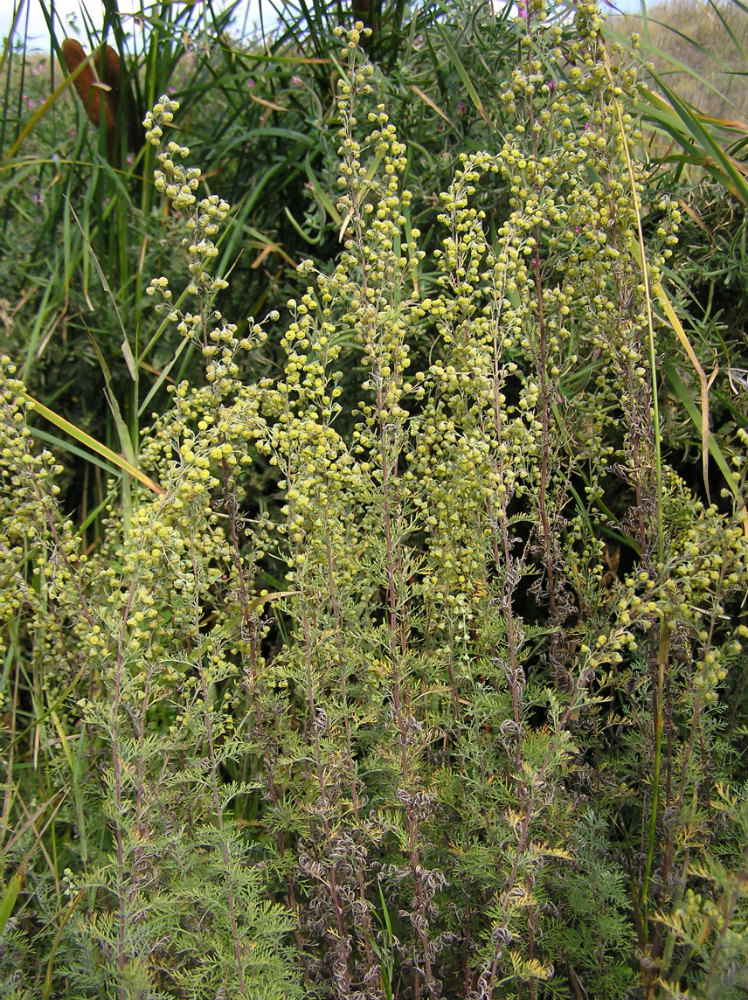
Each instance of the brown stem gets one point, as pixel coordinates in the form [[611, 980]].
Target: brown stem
[[324, 802]]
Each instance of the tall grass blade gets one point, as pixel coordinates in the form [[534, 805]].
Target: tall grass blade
[[712, 444], [9, 898], [96, 446], [704, 382], [715, 159], [462, 72]]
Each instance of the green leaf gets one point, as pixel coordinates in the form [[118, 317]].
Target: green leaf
[[462, 73], [9, 898], [96, 446]]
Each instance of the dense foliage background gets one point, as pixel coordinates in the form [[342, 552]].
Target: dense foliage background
[[373, 546]]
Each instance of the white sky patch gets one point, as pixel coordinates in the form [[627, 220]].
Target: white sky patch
[[68, 17], [68, 14]]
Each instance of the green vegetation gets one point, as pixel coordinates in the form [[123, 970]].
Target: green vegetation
[[699, 49], [374, 539]]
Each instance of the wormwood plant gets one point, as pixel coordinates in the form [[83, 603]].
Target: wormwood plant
[[488, 742], [461, 677], [153, 890]]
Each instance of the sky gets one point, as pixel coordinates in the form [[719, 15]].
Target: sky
[[65, 9], [249, 10]]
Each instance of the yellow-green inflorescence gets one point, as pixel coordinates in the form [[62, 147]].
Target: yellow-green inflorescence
[[432, 717]]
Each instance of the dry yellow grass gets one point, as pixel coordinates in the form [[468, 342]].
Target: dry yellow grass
[[710, 39]]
